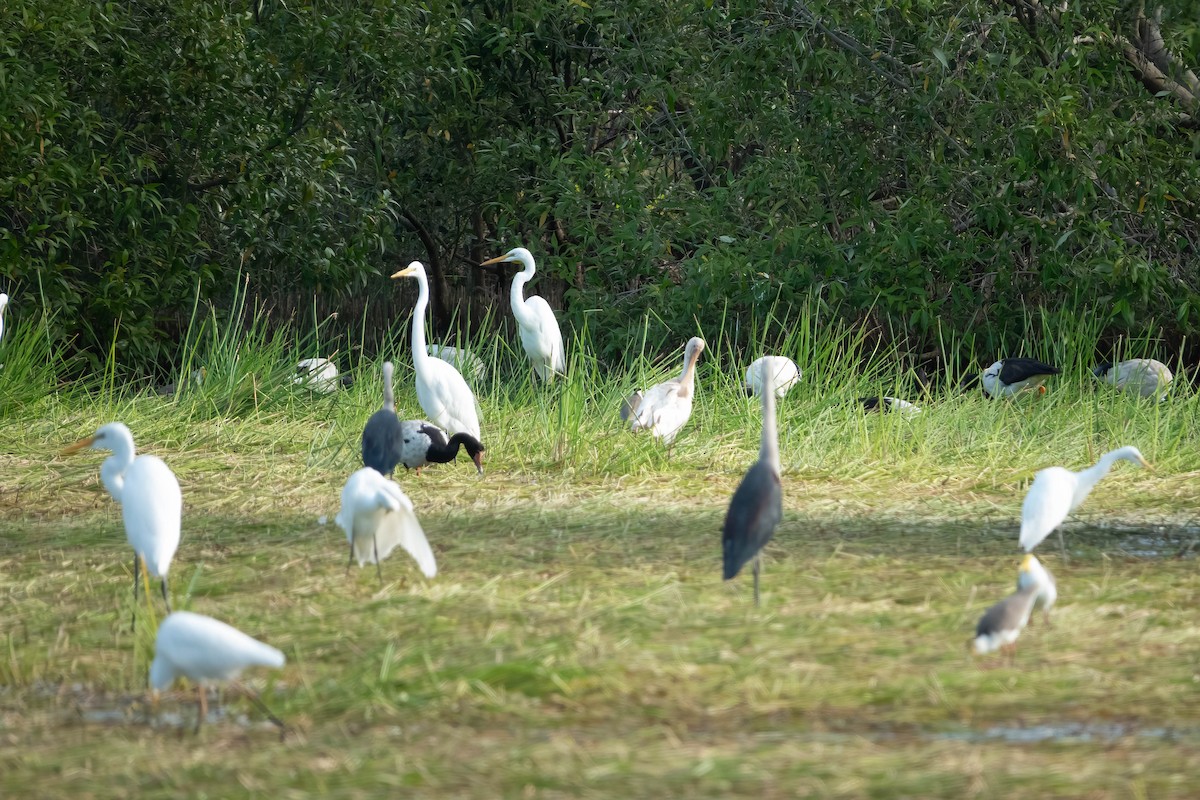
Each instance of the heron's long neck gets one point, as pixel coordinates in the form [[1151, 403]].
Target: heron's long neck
[[420, 354], [769, 450], [688, 377], [443, 454], [389, 399], [112, 471], [1089, 477], [516, 296]]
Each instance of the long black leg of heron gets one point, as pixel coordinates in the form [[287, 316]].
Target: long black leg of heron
[[756, 581], [166, 599], [254, 698], [378, 567], [133, 617]]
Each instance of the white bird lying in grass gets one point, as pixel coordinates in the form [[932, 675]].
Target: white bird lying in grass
[[1056, 492], [377, 516], [320, 375], [1143, 376], [1033, 571], [205, 650], [666, 407], [785, 374], [469, 365], [889, 405]]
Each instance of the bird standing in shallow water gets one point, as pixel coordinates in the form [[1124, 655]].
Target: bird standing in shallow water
[[150, 500], [377, 516], [540, 334], [666, 407], [757, 505], [1143, 376], [1056, 492], [205, 650], [383, 435]]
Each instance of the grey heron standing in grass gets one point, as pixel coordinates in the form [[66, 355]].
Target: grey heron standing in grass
[[377, 516], [666, 407], [1142, 376], [757, 505], [784, 370], [382, 435], [540, 334], [150, 500], [423, 443], [205, 650], [1011, 376], [1057, 491], [1001, 624], [1032, 571]]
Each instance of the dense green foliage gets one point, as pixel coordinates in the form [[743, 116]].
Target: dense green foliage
[[937, 171]]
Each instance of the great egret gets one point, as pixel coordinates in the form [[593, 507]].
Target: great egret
[[3, 306], [1032, 571], [376, 516], [1056, 492], [540, 335], [665, 408], [784, 370], [889, 405], [320, 375], [205, 650], [1010, 376], [150, 500], [381, 435], [757, 505], [1001, 624], [469, 365], [422, 443], [441, 390], [1143, 376]]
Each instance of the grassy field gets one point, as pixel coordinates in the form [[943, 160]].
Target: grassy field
[[578, 640]]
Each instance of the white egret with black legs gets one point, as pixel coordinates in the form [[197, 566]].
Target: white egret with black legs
[[377, 517], [540, 334]]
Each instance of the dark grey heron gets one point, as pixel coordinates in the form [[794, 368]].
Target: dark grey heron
[[757, 505], [382, 436]]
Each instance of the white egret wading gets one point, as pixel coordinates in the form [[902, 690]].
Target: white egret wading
[[150, 500], [540, 334], [666, 407], [377, 516]]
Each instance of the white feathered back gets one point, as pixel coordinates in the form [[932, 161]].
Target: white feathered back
[[377, 517]]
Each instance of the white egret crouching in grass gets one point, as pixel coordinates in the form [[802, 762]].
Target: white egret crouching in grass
[[320, 375], [377, 516], [1033, 571], [205, 650], [784, 371], [757, 504], [441, 390], [1142, 376], [1056, 492], [1001, 624], [540, 334], [469, 365], [381, 436], [150, 500], [422, 443], [666, 407], [1011, 376]]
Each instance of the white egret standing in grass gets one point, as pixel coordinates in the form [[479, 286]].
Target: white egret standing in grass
[[784, 371], [1056, 492], [377, 516], [381, 436], [666, 407], [441, 389], [422, 443], [1143, 376], [1011, 376], [1032, 571], [150, 500], [1001, 624], [205, 650], [540, 334], [757, 505]]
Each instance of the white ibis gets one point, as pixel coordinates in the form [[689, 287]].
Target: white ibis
[[888, 405], [469, 365], [320, 375]]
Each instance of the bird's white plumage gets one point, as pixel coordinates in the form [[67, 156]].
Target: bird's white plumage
[[377, 517], [204, 650], [469, 365], [784, 370], [990, 642], [441, 390], [1057, 491], [317, 374], [3, 306], [1146, 377], [666, 407], [997, 388], [1033, 571], [540, 334]]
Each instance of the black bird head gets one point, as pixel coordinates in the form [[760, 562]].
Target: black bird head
[[1100, 370]]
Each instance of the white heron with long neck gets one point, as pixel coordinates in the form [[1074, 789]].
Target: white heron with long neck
[[1057, 491], [666, 407], [150, 500], [3, 306], [540, 334], [441, 389]]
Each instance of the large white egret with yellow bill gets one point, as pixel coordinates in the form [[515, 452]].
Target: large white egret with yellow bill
[[540, 334]]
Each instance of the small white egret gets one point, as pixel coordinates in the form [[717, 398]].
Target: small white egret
[[1056, 492], [441, 390], [757, 504], [422, 443], [150, 500], [469, 365], [1011, 376], [1033, 571], [1001, 624], [381, 435], [320, 375], [784, 371], [540, 334], [666, 407], [889, 405], [1142, 376], [377, 516], [205, 650]]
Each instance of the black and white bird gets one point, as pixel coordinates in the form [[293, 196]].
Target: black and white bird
[[1142, 376], [1001, 624], [889, 405], [383, 435], [320, 375], [785, 372], [757, 504], [1033, 571], [1011, 376], [423, 443]]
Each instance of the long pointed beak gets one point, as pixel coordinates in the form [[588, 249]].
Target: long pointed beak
[[495, 260], [82, 443], [404, 273], [1146, 464], [479, 463]]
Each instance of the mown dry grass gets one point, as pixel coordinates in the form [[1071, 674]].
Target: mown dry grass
[[578, 641]]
